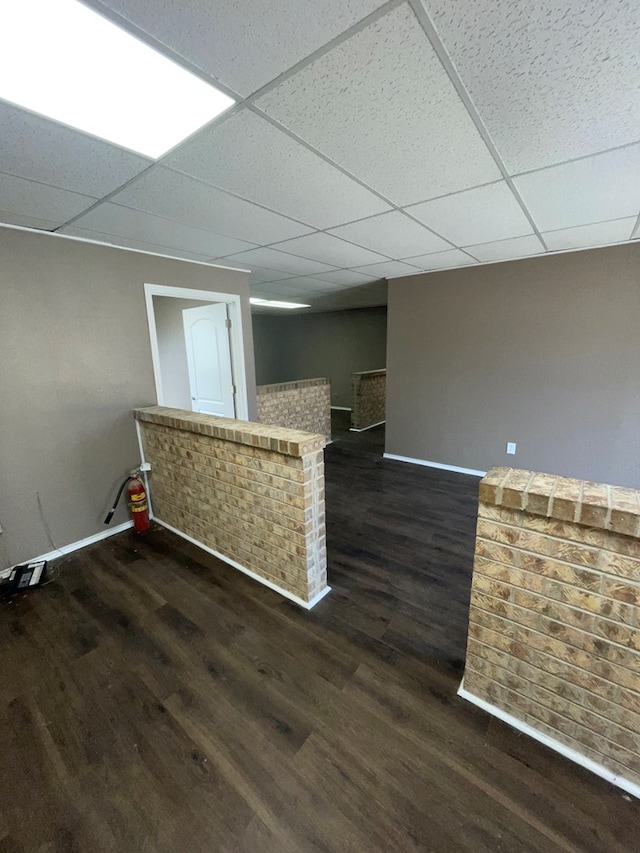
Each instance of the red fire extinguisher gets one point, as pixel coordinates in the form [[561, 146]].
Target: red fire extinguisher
[[138, 503]]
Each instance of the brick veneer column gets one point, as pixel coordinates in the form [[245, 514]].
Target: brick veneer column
[[250, 493], [553, 639]]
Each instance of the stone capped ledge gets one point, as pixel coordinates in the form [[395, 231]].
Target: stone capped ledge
[[295, 385], [372, 373], [596, 505], [286, 441]]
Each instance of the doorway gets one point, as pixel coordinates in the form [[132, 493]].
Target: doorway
[[208, 349], [197, 350]]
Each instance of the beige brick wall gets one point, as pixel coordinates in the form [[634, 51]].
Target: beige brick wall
[[369, 398], [253, 493], [303, 405], [553, 635]]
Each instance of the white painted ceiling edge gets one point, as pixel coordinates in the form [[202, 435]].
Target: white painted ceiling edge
[[369, 139]]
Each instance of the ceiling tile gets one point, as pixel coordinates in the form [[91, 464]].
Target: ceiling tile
[[306, 284], [42, 150], [341, 300], [381, 105], [551, 80], [584, 236], [480, 215], [27, 221], [357, 297], [441, 260], [345, 278], [388, 269], [175, 196], [118, 221], [273, 259], [596, 189], [260, 275], [247, 155], [21, 198], [503, 250], [330, 250], [269, 290], [243, 47], [393, 234], [138, 245]]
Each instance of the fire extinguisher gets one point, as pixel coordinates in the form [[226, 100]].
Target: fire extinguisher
[[138, 503]]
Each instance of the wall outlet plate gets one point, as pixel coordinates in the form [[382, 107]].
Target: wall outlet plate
[[511, 447]]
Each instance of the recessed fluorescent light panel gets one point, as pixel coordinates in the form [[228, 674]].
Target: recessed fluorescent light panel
[[272, 303], [66, 62]]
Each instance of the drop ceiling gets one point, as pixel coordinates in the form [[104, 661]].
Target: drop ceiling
[[369, 140]]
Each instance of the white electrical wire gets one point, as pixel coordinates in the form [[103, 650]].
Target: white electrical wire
[[54, 547], [5, 554]]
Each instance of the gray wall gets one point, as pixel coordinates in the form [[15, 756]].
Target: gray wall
[[172, 350], [544, 352], [75, 359], [332, 345]]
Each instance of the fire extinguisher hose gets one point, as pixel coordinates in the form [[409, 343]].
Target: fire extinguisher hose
[[115, 503]]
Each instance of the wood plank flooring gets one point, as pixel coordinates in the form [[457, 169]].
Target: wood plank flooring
[[154, 699]]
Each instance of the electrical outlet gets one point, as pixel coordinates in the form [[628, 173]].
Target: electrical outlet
[[511, 447]]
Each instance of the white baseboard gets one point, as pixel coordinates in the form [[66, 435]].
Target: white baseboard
[[75, 546], [307, 605], [427, 464], [315, 600], [341, 408], [567, 751], [364, 429]]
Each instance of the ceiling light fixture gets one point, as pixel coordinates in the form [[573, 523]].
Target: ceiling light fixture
[[272, 303], [68, 63]]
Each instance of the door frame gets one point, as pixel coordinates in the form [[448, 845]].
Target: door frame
[[236, 340]]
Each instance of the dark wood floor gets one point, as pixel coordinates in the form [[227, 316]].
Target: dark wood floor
[[153, 699]]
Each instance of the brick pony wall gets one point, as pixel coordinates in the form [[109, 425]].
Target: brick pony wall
[[369, 399], [252, 493], [553, 636], [303, 405]]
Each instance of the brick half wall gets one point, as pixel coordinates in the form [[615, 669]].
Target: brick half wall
[[249, 493], [553, 624], [369, 402], [303, 405]]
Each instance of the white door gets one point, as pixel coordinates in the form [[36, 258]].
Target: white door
[[206, 336]]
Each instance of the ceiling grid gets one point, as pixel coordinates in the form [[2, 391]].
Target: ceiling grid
[[369, 140]]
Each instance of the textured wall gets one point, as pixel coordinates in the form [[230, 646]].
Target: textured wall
[[334, 344], [253, 493], [553, 635], [76, 358], [542, 351], [369, 398], [304, 405]]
